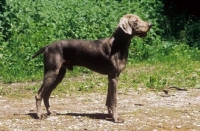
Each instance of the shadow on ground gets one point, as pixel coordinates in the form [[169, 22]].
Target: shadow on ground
[[98, 116]]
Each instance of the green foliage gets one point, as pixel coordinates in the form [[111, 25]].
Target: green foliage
[[28, 25], [191, 35]]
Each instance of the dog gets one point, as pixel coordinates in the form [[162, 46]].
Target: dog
[[106, 56]]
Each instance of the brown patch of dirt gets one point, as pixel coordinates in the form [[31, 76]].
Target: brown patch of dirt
[[142, 110]]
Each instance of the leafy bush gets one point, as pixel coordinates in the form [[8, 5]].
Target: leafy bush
[[28, 25], [192, 34]]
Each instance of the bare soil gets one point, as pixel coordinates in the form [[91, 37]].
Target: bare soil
[[142, 110]]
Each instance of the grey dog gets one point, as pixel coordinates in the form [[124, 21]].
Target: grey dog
[[106, 56]]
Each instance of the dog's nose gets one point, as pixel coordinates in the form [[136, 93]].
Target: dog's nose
[[150, 25]]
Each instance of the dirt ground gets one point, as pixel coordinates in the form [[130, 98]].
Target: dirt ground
[[142, 110]]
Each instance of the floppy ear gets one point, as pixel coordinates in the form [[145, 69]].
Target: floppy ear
[[125, 26]]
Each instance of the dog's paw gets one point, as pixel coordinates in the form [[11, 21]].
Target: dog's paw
[[118, 120], [42, 116], [53, 113]]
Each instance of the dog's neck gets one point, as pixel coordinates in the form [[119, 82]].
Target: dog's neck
[[120, 43]]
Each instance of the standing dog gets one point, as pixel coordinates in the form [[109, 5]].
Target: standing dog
[[106, 56]]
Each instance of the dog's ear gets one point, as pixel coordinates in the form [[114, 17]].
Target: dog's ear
[[125, 26]]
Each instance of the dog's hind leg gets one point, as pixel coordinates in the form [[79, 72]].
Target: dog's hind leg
[[53, 86], [52, 76], [48, 82]]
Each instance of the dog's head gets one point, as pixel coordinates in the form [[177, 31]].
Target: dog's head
[[133, 25]]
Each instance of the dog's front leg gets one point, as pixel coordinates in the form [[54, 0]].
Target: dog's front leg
[[111, 101]]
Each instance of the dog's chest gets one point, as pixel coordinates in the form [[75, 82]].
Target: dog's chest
[[118, 64]]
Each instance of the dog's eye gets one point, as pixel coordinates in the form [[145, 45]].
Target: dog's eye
[[135, 23], [136, 20]]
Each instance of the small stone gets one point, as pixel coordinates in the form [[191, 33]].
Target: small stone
[[178, 127], [31, 110], [7, 106]]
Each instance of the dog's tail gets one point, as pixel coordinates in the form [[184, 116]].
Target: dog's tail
[[39, 52]]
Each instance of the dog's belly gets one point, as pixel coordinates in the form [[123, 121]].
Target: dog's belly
[[100, 66]]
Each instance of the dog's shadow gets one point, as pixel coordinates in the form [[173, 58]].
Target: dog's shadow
[[98, 116]]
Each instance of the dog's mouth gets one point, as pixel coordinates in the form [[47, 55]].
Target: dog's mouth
[[142, 34]]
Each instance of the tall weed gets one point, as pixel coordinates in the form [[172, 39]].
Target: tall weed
[[29, 25]]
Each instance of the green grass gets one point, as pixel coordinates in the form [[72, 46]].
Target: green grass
[[185, 74], [140, 75], [156, 61]]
